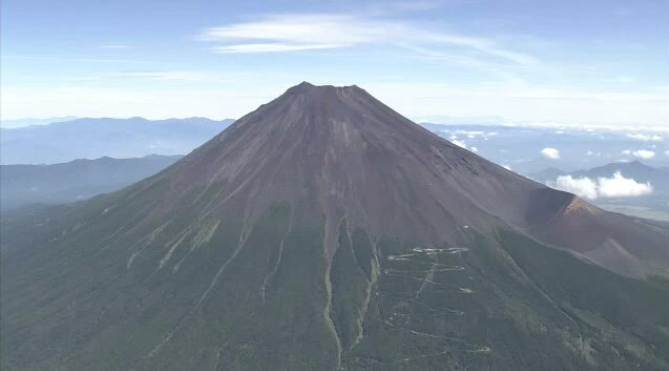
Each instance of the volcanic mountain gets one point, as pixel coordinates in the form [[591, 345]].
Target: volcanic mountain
[[324, 231]]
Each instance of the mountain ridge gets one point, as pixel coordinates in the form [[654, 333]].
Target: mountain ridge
[[93, 138], [76, 180]]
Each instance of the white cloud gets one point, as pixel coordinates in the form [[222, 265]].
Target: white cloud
[[645, 137], [615, 186], [294, 32], [551, 153], [643, 154], [475, 134], [619, 186], [583, 187], [507, 167], [459, 143], [666, 153], [640, 153]]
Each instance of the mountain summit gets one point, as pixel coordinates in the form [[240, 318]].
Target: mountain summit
[[324, 231]]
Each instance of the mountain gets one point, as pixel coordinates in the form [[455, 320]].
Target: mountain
[[12, 124], [549, 174], [324, 231], [94, 138], [73, 181]]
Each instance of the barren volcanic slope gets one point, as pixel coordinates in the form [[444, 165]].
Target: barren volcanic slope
[[324, 231]]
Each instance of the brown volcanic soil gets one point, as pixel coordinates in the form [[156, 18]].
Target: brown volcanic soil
[[337, 153]]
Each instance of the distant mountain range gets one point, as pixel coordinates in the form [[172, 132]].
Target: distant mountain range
[[516, 147], [65, 141], [18, 123], [519, 147], [73, 181]]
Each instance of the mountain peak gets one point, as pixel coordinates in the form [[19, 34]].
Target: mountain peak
[[306, 104], [307, 87]]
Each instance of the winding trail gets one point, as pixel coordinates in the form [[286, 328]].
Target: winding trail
[[432, 267]]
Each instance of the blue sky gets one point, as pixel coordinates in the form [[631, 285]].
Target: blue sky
[[521, 61]]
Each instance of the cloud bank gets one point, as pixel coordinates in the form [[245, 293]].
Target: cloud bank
[[616, 186], [645, 137]]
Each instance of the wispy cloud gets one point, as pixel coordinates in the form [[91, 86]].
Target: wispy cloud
[[271, 48], [622, 80], [297, 32], [75, 59], [115, 45], [169, 75], [645, 137], [402, 6], [415, 5], [559, 106]]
